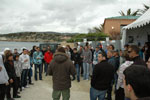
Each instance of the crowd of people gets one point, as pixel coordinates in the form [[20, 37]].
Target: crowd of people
[[124, 72], [110, 70], [16, 69]]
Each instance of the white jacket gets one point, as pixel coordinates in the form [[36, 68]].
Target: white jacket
[[22, 58], [3, 74]]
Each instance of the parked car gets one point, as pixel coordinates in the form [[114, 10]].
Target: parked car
[[53, 46]]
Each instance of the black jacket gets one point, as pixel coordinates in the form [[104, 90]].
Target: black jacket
[[102, 76], [76, 58], [117, 59], [9, 65], [138, 61]]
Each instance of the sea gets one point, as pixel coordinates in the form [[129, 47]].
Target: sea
[[17, 45]]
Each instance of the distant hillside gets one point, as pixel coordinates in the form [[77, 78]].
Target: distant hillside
[[37, 36]]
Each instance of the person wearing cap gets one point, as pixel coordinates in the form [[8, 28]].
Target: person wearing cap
[[95, 56]]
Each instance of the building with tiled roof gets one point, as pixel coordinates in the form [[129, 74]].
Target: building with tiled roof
[[113, 25]]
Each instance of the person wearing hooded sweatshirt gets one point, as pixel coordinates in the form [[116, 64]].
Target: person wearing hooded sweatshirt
[[61, 67], [3, 79]]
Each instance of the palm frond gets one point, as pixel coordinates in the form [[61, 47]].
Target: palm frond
[[121, 13], [129, 12]]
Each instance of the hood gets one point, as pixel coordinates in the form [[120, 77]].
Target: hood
[[60, 57]]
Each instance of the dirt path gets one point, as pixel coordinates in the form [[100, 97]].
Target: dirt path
[[42, 90]]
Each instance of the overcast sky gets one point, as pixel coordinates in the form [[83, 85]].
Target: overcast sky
[[60, 15]]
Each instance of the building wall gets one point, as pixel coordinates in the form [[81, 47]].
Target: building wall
[[115, 23]]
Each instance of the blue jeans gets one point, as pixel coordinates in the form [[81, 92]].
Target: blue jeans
[[78, 71], [127, 98], [86, 70], [24, 77], [40, 71], [45, 67], [94, 94], [30, 75]]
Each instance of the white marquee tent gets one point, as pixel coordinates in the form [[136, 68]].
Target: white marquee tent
[[137, 32]]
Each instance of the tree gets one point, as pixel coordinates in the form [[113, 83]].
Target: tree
[[142, 11], [129, 13], [95, 29]]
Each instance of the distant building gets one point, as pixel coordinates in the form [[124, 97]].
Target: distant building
[[113, 25]]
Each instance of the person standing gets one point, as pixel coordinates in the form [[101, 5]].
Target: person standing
[[48, 58], [87, 59], [30, 71], [102, 78], [25, 63], [15, 52], [76, 60], [147, 51], [81, 59], [61, 67], [91, 64], [112, 61], [95, 56], [119, 88], [70, 50], [37, 59], [44, 50], [3, 79], [18, 70], [133, 51], [9, 65]]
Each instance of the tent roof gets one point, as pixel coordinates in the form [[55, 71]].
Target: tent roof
[[141, 21]]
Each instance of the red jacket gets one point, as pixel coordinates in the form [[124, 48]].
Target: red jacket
[[48, 56]]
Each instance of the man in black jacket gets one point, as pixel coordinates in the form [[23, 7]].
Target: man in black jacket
[[102, 77], [134, 55], [76, 61]]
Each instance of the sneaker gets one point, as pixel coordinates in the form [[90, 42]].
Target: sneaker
[[17, 96], [27, 86], [22, 88], [31, 83], [10, 99]]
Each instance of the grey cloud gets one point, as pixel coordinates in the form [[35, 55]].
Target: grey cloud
[[59, 15]]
